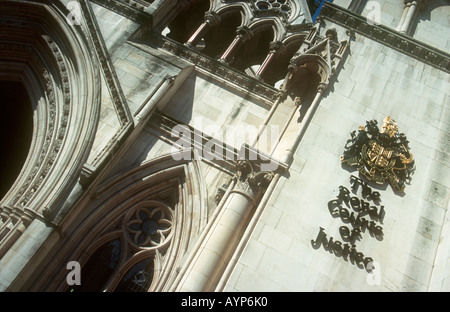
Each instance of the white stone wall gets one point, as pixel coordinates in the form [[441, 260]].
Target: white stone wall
[[391, 11], [212, 108], [343, 3], [433, 25], [375, 81], [430, 26]]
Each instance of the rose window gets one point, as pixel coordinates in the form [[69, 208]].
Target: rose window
[[150, 226], [284, 6]]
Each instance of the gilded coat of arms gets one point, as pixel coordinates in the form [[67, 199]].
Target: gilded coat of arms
[[380, 156]]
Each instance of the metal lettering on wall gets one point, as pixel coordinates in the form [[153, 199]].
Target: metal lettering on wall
[[380, 157], [364, 213]]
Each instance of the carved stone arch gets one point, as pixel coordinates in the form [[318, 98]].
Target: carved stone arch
[[278, 69], [175, 184], [273, 22], [253, 52], [242, 7], [54, 62], [181, 28], [308, 72], [220, 36]]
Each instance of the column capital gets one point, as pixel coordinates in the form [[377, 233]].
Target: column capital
[[421, 4], [244, 32], [212, 18], [322, 87], [249, 182], [275, 46]]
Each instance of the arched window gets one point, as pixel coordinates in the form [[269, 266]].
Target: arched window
[[185, 24], [253, 52], [99, 268], [218, 38], [132, 233], [127, 262]]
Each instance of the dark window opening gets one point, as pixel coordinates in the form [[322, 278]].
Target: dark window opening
[[16, 122], [138, 278], [220, 37], [187, 22], [278, 69], [99, 268], [253, 52]]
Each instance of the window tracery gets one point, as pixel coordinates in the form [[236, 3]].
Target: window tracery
[[278, 6], [149, 225]]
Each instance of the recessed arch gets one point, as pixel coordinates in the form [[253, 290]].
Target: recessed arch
[[278, 69], [54, 62], [219, 37], [251, 54], [164, 182], [307, 73], [181, 27]]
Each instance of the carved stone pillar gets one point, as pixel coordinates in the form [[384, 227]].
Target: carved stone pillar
[[409, 14], [211, 19], [243, 34], [288, 152], [273, 49], [15, 226], [208, 265]]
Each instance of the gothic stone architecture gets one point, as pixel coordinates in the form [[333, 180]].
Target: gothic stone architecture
[[221, 145]]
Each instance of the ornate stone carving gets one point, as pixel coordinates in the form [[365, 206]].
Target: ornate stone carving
[[380, 156], [283, 7], [149, 225], [250, 182]]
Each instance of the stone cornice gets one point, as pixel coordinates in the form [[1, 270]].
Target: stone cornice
[[225, 159], [389, 37]]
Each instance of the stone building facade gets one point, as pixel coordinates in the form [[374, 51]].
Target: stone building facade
[[221, 145]]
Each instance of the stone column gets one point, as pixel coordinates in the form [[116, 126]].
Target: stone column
[[207, 267], [354, 5], [13, 228], [243, 34], [288, 152], [409, 15], [211, 19], [273, 49]]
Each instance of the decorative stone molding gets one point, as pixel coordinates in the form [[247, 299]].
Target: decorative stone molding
[[117, 96], [244, 32], [388, 37], [156, 210], [326, 52], [54, 62], [212, 18], [48, 70], [250, 182], [264, 8]]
